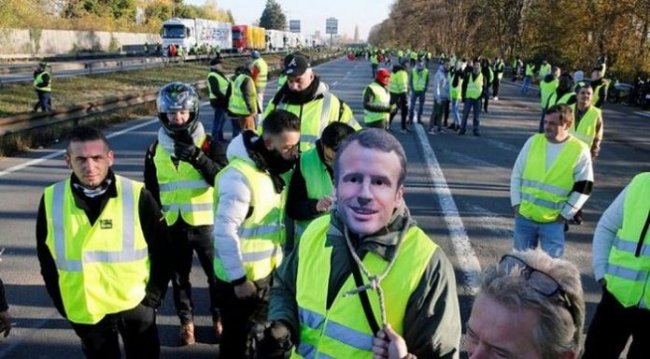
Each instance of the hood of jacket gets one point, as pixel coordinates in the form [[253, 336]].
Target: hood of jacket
[[237, 149]]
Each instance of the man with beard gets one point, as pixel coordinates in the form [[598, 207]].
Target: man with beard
[[367, 271], [248, 225], [306, 96]]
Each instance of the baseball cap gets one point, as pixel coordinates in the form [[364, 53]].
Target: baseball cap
[[295, 65]]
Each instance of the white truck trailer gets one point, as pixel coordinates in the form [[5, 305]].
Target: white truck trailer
[[191, 33]]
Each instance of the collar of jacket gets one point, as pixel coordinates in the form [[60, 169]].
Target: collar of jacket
[[315, 89], [82, 201], [383, 242]]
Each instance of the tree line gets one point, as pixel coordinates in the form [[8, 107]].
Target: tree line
[[571, 34]]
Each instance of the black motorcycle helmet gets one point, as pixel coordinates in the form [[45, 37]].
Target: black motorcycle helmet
[[174, 97]]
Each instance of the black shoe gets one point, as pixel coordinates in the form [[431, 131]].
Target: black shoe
[[461, 132], [476, 133]]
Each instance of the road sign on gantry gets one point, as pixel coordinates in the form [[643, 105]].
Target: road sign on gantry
[[332, 26], [294, 26]]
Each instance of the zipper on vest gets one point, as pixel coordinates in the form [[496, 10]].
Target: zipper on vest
[[644, 231]]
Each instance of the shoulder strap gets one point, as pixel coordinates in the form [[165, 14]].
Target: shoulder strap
[[363, 296]]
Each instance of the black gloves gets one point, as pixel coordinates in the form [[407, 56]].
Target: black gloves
[[275, 342], [187, 152]]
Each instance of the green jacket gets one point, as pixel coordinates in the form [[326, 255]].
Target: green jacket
[[432, 327]]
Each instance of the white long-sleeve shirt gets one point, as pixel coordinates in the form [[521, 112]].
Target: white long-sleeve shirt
[[608, 225], [582, 171]]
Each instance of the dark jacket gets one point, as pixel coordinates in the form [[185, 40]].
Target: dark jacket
[[153, 227], [3, 300], [299, 206], [432, 326]]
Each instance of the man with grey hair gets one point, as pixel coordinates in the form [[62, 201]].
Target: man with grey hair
[[365, 280], [529, 306]]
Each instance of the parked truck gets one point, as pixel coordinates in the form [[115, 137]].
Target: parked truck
[[247, 37], [196, 34], [276, 40]]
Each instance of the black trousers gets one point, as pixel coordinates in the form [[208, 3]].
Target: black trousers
[[611, 328], [185, 241], [495, 87], [239, 318], [440, 110], [401, 102], [137, 327]]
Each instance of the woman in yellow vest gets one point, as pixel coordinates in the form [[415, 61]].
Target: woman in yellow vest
[[621, 263], [179, 171], [104, 252]]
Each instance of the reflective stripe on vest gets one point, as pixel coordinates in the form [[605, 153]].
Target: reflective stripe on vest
[[474, 86], [183, 190], [586, 131], [544, 191], [262, 76], [628, 275], [262, 233], [89, 258], [39, 80], [342, 331], [380, 97], [222, 82], [317, 180], [399, 82], [237, 102], [419, 79]]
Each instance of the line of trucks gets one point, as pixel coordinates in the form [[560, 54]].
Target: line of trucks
[[193, 33]]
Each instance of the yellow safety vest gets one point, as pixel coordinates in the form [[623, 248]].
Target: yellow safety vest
[[455, 92], [183, 190], [380, 97], [262, 233], [262, 77], [547, 89], [544, 70], [282, 79], [596, 95], [586, 131], [474, 87], [39, 80], [374, 60], [317, 180], [221, 81], [342, 331], [103, 267], [530, 70], [544, 191], [628, 274], [237, 102], [399, 82], [315, 115], [419, 79], [552, 100]]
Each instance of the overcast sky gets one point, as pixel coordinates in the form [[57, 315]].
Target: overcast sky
[[312, 14]]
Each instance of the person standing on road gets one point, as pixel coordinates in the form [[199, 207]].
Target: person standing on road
[[498, 68], [600, 85], [103, 248], [309, 98], [544, 69], [179, 171], [376, 101], [528, 306], [43, 87], [249, 226], [488, 78], [528, 77], [242, 104], [367, 270], [311, 192], [621, 263], [551, 181], [440, 99], [564, 94], [259, 73], [374, 63], [517, 67], [398, 88], [219, 89], [418, 83], [548, 85], [5, 318], [588, 126], [472, 93], [456, 93]]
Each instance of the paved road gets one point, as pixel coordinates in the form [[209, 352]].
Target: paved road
[[457, 189]]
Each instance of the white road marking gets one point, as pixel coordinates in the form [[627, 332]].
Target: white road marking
[[644, 114], [36, 161], [467, 259]]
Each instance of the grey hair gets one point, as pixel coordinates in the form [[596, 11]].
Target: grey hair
[[555, 332], [376, 139]]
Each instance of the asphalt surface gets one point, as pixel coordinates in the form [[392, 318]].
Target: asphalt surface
[[457, 189]]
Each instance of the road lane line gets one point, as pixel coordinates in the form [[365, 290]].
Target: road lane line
[[467, 259], [58, 153]]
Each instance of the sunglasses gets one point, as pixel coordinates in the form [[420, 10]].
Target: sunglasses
[[541, 282]]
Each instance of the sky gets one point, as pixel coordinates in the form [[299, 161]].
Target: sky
[[312, 14]]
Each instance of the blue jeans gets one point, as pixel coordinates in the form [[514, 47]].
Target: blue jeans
[[44, 101], [416, 96], [528, 234], [469, 104], [454, 110], [526, 85], [218, 122]]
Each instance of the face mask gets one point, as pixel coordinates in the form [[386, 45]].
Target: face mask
[[277, 164]]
